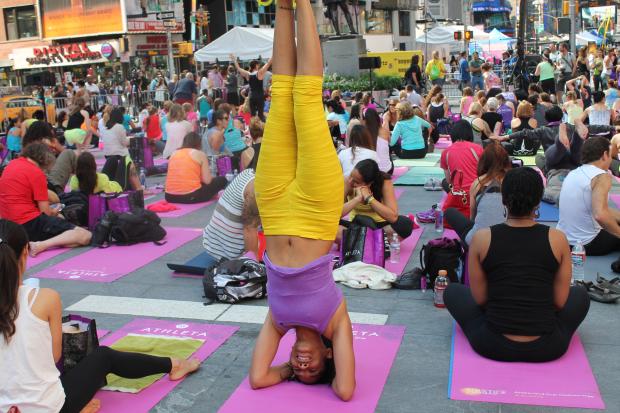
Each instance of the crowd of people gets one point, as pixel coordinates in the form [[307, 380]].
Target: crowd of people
[[303, 165]]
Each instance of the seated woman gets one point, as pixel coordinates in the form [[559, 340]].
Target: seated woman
[[362, 147], [390, 116], [78, 126], [408, 129], [381, 137], [479, 126], [176, 129], [189, 178], [524, 118], [485, 200], [521, 306], [336, 120], [370, 193], [119, 166], [599, 113], [31, 342], [88, 180], [214, 140], [299, 189], [460, 165]]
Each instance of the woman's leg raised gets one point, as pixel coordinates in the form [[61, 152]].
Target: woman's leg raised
[[277, 164], [319, 186]]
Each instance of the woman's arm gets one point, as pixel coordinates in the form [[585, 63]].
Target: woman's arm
[[477, 252], [242, 71], [344, 357], [205, 170], [262, 373], [473, 192], [216, 140], [537, 71], [561, 251], [121, 134], [48, 307], [263, 70], [396, 134], [387, 117], [350, 205], [388, 208]]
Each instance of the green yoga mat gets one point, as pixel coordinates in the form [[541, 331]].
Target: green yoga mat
[[429, 160], [527, 160], [161, 346], [419, 174]]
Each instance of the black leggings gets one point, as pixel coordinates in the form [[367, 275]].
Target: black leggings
[[459, 222], [205, 193], [82, 382], [403, 226], [603, 244], [257, 106], [495, 346]]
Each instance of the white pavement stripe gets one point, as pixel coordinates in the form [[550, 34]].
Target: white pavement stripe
[[149, 307]]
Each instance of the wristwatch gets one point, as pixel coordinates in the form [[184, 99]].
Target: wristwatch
[[369, 199]]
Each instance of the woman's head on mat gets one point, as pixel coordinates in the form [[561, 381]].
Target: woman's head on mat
[[192, 141], [367, 174], [13, 256], [361, 138], [86, 172], [312, 360], [522, 191], [462, 131]]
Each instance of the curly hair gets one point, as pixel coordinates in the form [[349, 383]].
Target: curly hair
[[522, 191], [40, 153]]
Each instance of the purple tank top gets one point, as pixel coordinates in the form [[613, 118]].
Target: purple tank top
[[306, 297]]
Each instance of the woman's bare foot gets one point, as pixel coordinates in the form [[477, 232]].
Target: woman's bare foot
[[93, 406], [181, 368], [35, 248]]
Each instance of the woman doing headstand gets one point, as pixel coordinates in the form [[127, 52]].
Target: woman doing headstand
[[299, 192]]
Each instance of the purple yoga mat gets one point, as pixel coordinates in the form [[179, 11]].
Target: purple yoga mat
[[375, 349], [110, 264], [399, 171], [443, 143], [450, 233], [44, 256], [213, 335], [160, 161], [102, 333], [566, 382], [185, 209], [406, 249]]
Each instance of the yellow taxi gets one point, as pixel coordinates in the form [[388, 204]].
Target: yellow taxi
[[13, 106]]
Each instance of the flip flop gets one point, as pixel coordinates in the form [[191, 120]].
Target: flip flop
[[598, 293], [612, 285]]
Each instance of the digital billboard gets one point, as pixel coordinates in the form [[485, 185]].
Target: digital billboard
[[78, 18], [593, 17]]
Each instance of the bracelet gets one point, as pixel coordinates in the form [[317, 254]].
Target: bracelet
[[369, 199]]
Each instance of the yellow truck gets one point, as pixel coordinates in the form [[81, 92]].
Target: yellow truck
[[396, 63]]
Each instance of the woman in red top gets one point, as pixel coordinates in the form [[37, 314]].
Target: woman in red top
[[460, 165], [153, 130]]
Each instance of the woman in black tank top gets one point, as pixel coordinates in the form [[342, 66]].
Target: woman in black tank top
[[255, 77], [521, 306]]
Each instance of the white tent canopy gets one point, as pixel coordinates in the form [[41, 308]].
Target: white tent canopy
[[244, 42], [445, 34]]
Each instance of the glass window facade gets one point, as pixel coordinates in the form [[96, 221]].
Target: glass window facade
[[248, 13], [378, 22], [20, 22]]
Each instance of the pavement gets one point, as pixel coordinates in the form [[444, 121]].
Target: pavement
[[418, 380]]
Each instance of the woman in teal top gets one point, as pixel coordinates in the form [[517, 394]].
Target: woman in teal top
[[409, 130], [14, 138]]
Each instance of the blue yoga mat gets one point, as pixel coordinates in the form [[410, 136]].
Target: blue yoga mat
[[548, 213], [196, 265], [419, 174]]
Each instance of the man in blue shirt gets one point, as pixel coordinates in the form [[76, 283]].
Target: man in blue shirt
[[476, 72], [464, 71]]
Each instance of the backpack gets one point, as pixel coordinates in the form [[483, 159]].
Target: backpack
[[127, 228], [231, 281], [76, 207], [441, 254]]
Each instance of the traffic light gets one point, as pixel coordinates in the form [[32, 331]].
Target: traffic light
[[458, 36], [469, 35]]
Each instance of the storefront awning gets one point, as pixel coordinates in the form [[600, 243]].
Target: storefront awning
[[72, 54]]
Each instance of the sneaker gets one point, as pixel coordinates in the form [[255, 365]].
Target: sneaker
[[426, 217], [409, 280]]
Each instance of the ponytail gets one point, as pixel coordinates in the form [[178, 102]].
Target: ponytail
[[13, 240]]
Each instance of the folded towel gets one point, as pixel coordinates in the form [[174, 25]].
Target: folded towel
[[162, 206]]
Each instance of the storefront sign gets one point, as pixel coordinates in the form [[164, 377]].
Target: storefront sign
[[63, 55]]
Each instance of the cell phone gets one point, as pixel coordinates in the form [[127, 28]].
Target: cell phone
[[58, 207]]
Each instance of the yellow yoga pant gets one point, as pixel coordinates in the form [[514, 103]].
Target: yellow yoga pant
[[299, 183]]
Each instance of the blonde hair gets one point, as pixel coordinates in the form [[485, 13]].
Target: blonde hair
[[187, 107], [405, 110], [525, 110], [402, 95], [571, 95], [480, 94], [257, 128], [475, 109], [167, 105], [468, 91], [176, 113], [106, 114]]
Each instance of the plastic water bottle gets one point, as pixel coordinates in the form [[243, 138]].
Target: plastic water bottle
[[438, 220], [235, 173], [143, 177], [578, 257], [395, 249], [441, 283]]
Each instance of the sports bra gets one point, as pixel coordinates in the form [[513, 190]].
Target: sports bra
[[305, 297]]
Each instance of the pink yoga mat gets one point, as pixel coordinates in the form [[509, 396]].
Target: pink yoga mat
[[185, 209], [443, 143], [450, 233], [375, 349], [110, 264], [399, 171], [615, 198], [406, 249], [566, 382], [160, 161], [44, 256], [102, 333], [214, 336]]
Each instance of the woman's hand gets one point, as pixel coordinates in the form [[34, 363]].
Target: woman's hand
[[365, 192]]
